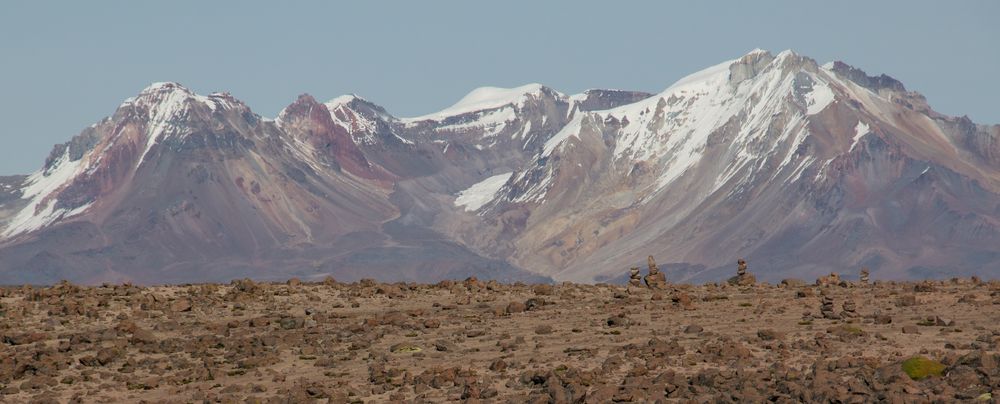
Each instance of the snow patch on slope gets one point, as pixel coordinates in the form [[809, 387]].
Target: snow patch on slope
[[860, 130], [492, 122], [482, 192], [571, 129], [818, 98], [40, 188]]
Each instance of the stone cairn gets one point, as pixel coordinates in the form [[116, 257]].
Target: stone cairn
[[742, 278], [850, 309], [864, 276], [655, 279], [634, 279], [826, 307]]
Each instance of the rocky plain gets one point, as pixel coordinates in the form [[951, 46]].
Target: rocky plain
[[476, 341]]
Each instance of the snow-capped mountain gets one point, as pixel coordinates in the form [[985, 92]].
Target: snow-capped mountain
[[177, 187], [801, 168]]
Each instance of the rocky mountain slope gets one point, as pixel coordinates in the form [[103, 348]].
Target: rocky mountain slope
[[801, 168]]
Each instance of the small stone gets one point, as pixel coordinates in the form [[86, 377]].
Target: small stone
[[290, 323], [769, 335], [498, 365], [617, 321], [910, 329], [543, 329], [907, 301], [445, 346], [693, 329]]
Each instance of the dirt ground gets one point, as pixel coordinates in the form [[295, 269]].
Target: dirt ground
[[487, 342]]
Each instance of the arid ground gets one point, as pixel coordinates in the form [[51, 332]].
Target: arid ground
[[487, 342]]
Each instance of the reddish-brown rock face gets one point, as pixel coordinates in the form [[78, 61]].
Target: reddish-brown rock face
[[311, 122]]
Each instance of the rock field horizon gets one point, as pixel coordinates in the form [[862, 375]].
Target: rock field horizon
[[473, 341]]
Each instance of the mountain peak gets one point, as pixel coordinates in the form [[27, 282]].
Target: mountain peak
[[343, 100], [484, 98], [164, 86], [171, 97]]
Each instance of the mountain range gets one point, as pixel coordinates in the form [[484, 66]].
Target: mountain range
[[800, 168]]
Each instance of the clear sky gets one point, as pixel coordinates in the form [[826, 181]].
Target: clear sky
[[65, 65]]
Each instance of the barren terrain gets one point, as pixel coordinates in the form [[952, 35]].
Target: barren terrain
[[487, 342]]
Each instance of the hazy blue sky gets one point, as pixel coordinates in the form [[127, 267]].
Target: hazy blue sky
[[65, 65]]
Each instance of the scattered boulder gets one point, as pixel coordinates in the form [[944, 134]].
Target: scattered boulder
[[515, 307], [180, 305], [543, 289]]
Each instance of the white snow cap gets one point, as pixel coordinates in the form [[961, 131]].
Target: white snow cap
[[342, 100], [483, 98]]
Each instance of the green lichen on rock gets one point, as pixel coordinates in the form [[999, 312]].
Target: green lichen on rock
[[405, 348], [919, 368]]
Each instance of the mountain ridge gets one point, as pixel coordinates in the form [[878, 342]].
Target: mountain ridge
[[701, 173]]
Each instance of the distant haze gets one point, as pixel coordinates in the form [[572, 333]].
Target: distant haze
[[66, 66]]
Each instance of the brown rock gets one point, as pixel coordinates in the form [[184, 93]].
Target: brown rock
[[943, 322], [907, 300], [769, 335], [143, 336], [498, 365], [515, 307], [180, 305], [543, 289]]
